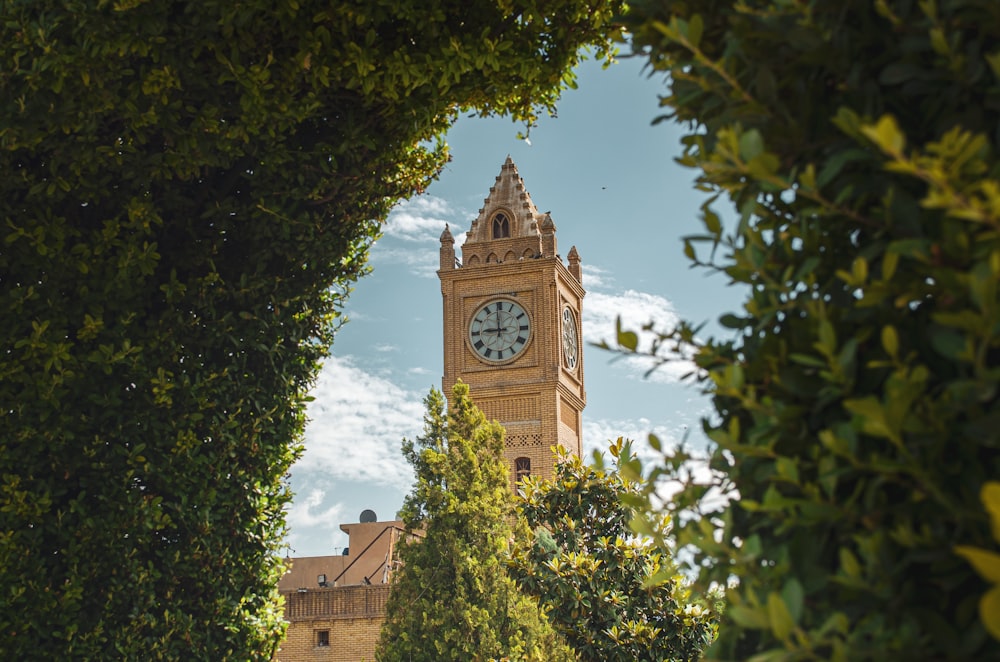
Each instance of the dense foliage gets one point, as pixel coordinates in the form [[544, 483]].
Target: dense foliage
[[453, 598], [187, 190], [857, 413], [593, 573]]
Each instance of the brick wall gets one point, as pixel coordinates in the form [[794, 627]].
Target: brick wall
[[350, 617]]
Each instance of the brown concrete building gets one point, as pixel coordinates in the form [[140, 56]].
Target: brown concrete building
[[512, 332]]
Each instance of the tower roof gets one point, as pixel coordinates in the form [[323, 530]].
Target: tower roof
[[507, 196]]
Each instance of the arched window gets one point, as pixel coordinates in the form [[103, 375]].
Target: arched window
[[501, 226], [522, 468]]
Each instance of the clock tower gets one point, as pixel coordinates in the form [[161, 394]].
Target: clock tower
[[512, 325]]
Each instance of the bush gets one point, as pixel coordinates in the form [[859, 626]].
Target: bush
[[856, 406]]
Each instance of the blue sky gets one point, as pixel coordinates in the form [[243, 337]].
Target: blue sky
[[608, 177]]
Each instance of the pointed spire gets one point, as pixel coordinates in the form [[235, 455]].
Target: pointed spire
[[509, 197]]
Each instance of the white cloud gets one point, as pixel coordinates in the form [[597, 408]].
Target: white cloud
[[412, 231], [357, 422], [309, 510], [419, 262], [313, 525], [636, 309], [418, 219], [595, 277]]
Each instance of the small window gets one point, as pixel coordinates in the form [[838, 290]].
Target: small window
[[522, 468], [322, 637], [501, 227]]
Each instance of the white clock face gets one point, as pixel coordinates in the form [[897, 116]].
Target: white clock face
[[499, 331], [571, 348]]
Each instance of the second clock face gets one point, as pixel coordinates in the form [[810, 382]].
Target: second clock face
[[500, 330], [571, 347]]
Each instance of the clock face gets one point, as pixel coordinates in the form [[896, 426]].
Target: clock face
[[499, 331], [571, 348]]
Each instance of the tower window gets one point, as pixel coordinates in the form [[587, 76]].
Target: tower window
[[322, 637], [501, 226], [522, 468]]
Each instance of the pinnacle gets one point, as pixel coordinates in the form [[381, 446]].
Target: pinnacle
[[446, 235]]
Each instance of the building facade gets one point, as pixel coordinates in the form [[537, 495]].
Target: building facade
[[335, 605], [512, 325], [512, 312]]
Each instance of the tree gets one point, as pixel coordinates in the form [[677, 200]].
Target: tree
[[452, 598], [856, 407], [188, 191], [594, 574]]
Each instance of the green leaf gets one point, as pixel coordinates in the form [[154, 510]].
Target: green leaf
[[889, 263], [986, 563], [751, 145], [695, 28], [873, 416], [836, 163], [890, 340], [859, 270], [886, 134], [849, 563], [628, 339], [993, 59], [947, 342], [749, 617], [989, 611], [712, 222], [827, 338], [788, 469], [731, 321], [990, 496], [794, 597], [779, 616]]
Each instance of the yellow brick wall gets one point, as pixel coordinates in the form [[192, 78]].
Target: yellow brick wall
[[351, 640], [534, 395], [350, 615]]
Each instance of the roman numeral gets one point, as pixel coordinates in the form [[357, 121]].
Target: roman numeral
[[479, 344]]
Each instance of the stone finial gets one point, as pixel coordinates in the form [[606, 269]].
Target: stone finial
[[574, 264], [548, 226], [548, 236], [446, 235], [447, 257]]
